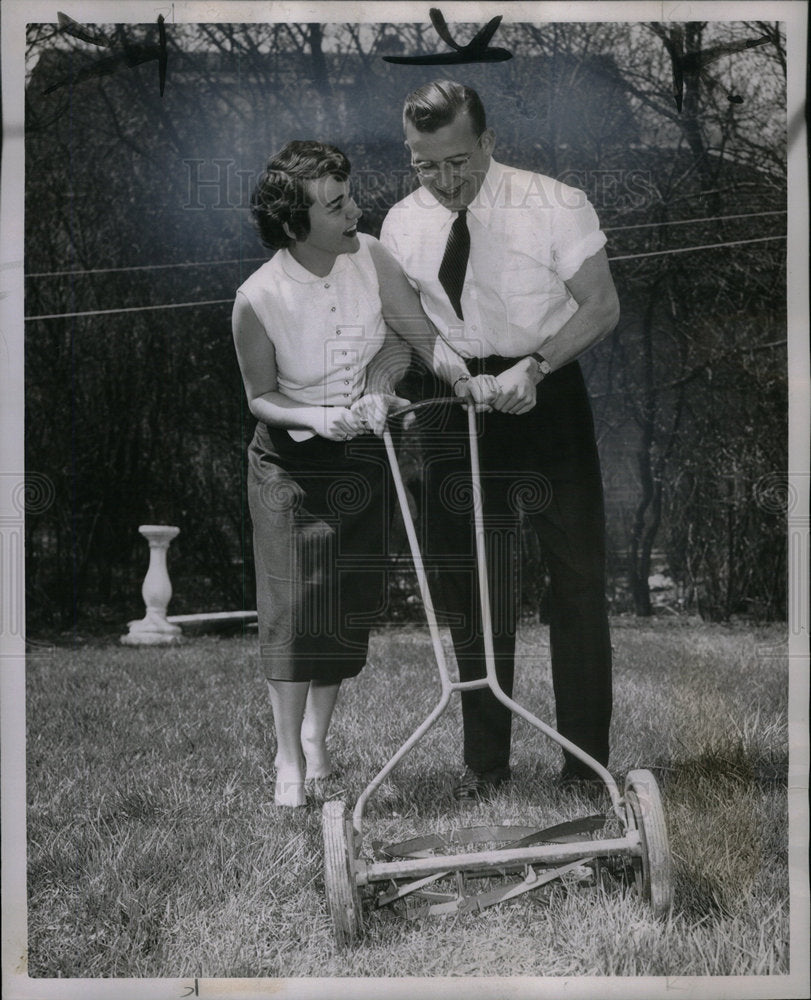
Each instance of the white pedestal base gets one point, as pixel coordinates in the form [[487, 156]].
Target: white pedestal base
[[153, 629]]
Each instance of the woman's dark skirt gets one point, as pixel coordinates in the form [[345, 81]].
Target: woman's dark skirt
[[320, 521]]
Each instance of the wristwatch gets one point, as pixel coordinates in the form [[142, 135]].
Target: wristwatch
[[544, 368]]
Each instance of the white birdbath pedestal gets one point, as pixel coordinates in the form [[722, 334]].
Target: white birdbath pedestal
[[153, 629]]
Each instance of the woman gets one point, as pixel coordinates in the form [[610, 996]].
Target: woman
[[319, 366]]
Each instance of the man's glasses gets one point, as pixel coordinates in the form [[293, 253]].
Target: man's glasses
[[453, 164]]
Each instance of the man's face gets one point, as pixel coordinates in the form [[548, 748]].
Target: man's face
[[451, 162], [333, 218]]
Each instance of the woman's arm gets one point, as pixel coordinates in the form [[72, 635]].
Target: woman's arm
[[388, 366], [403, 312], [257, 362], [383, 373]]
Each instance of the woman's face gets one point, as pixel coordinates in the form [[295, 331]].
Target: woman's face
[[333, 219]]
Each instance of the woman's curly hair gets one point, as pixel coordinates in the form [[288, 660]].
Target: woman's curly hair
[[281, 196]]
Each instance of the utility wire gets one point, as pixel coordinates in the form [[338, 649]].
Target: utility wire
[[687, 222], [131, 309], [253, 260], [706, 246], [217, 302], [144, 267]]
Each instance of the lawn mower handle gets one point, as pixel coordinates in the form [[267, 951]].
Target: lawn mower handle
[[424, 403]]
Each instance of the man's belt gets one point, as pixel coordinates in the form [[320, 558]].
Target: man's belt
[[495, 364]]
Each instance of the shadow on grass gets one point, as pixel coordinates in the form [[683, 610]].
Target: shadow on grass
[[723, 849], [730, 762]]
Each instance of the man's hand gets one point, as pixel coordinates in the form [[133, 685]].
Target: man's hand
[[517, 388], [479, 389], [373, 409]]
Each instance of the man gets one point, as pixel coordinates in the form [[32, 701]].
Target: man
[[511, 269]]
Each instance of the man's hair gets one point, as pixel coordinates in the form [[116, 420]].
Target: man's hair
[[281, 195], [438, 103]]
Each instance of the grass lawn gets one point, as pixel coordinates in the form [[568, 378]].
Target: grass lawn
[[155, 850]]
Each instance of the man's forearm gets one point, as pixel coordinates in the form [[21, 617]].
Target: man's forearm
[[598, 312], [596, 316], [592, 322]]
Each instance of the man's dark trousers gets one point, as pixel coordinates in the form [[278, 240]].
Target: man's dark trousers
[[545, 463]]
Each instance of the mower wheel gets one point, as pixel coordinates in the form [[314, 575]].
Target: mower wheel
[[343, 898], [654, 870]]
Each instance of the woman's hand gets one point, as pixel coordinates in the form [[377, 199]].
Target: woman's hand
[[337, 423], [373, 409]]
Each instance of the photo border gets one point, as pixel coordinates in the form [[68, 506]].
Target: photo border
[[16, 984]]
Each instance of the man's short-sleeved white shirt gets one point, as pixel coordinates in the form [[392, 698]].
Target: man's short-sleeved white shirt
[[528, 235], [324, 330]]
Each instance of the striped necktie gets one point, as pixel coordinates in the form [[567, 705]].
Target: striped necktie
[[454, 262]]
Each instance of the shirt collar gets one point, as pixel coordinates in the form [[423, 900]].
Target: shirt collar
[[485, 201], [299, 273]]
